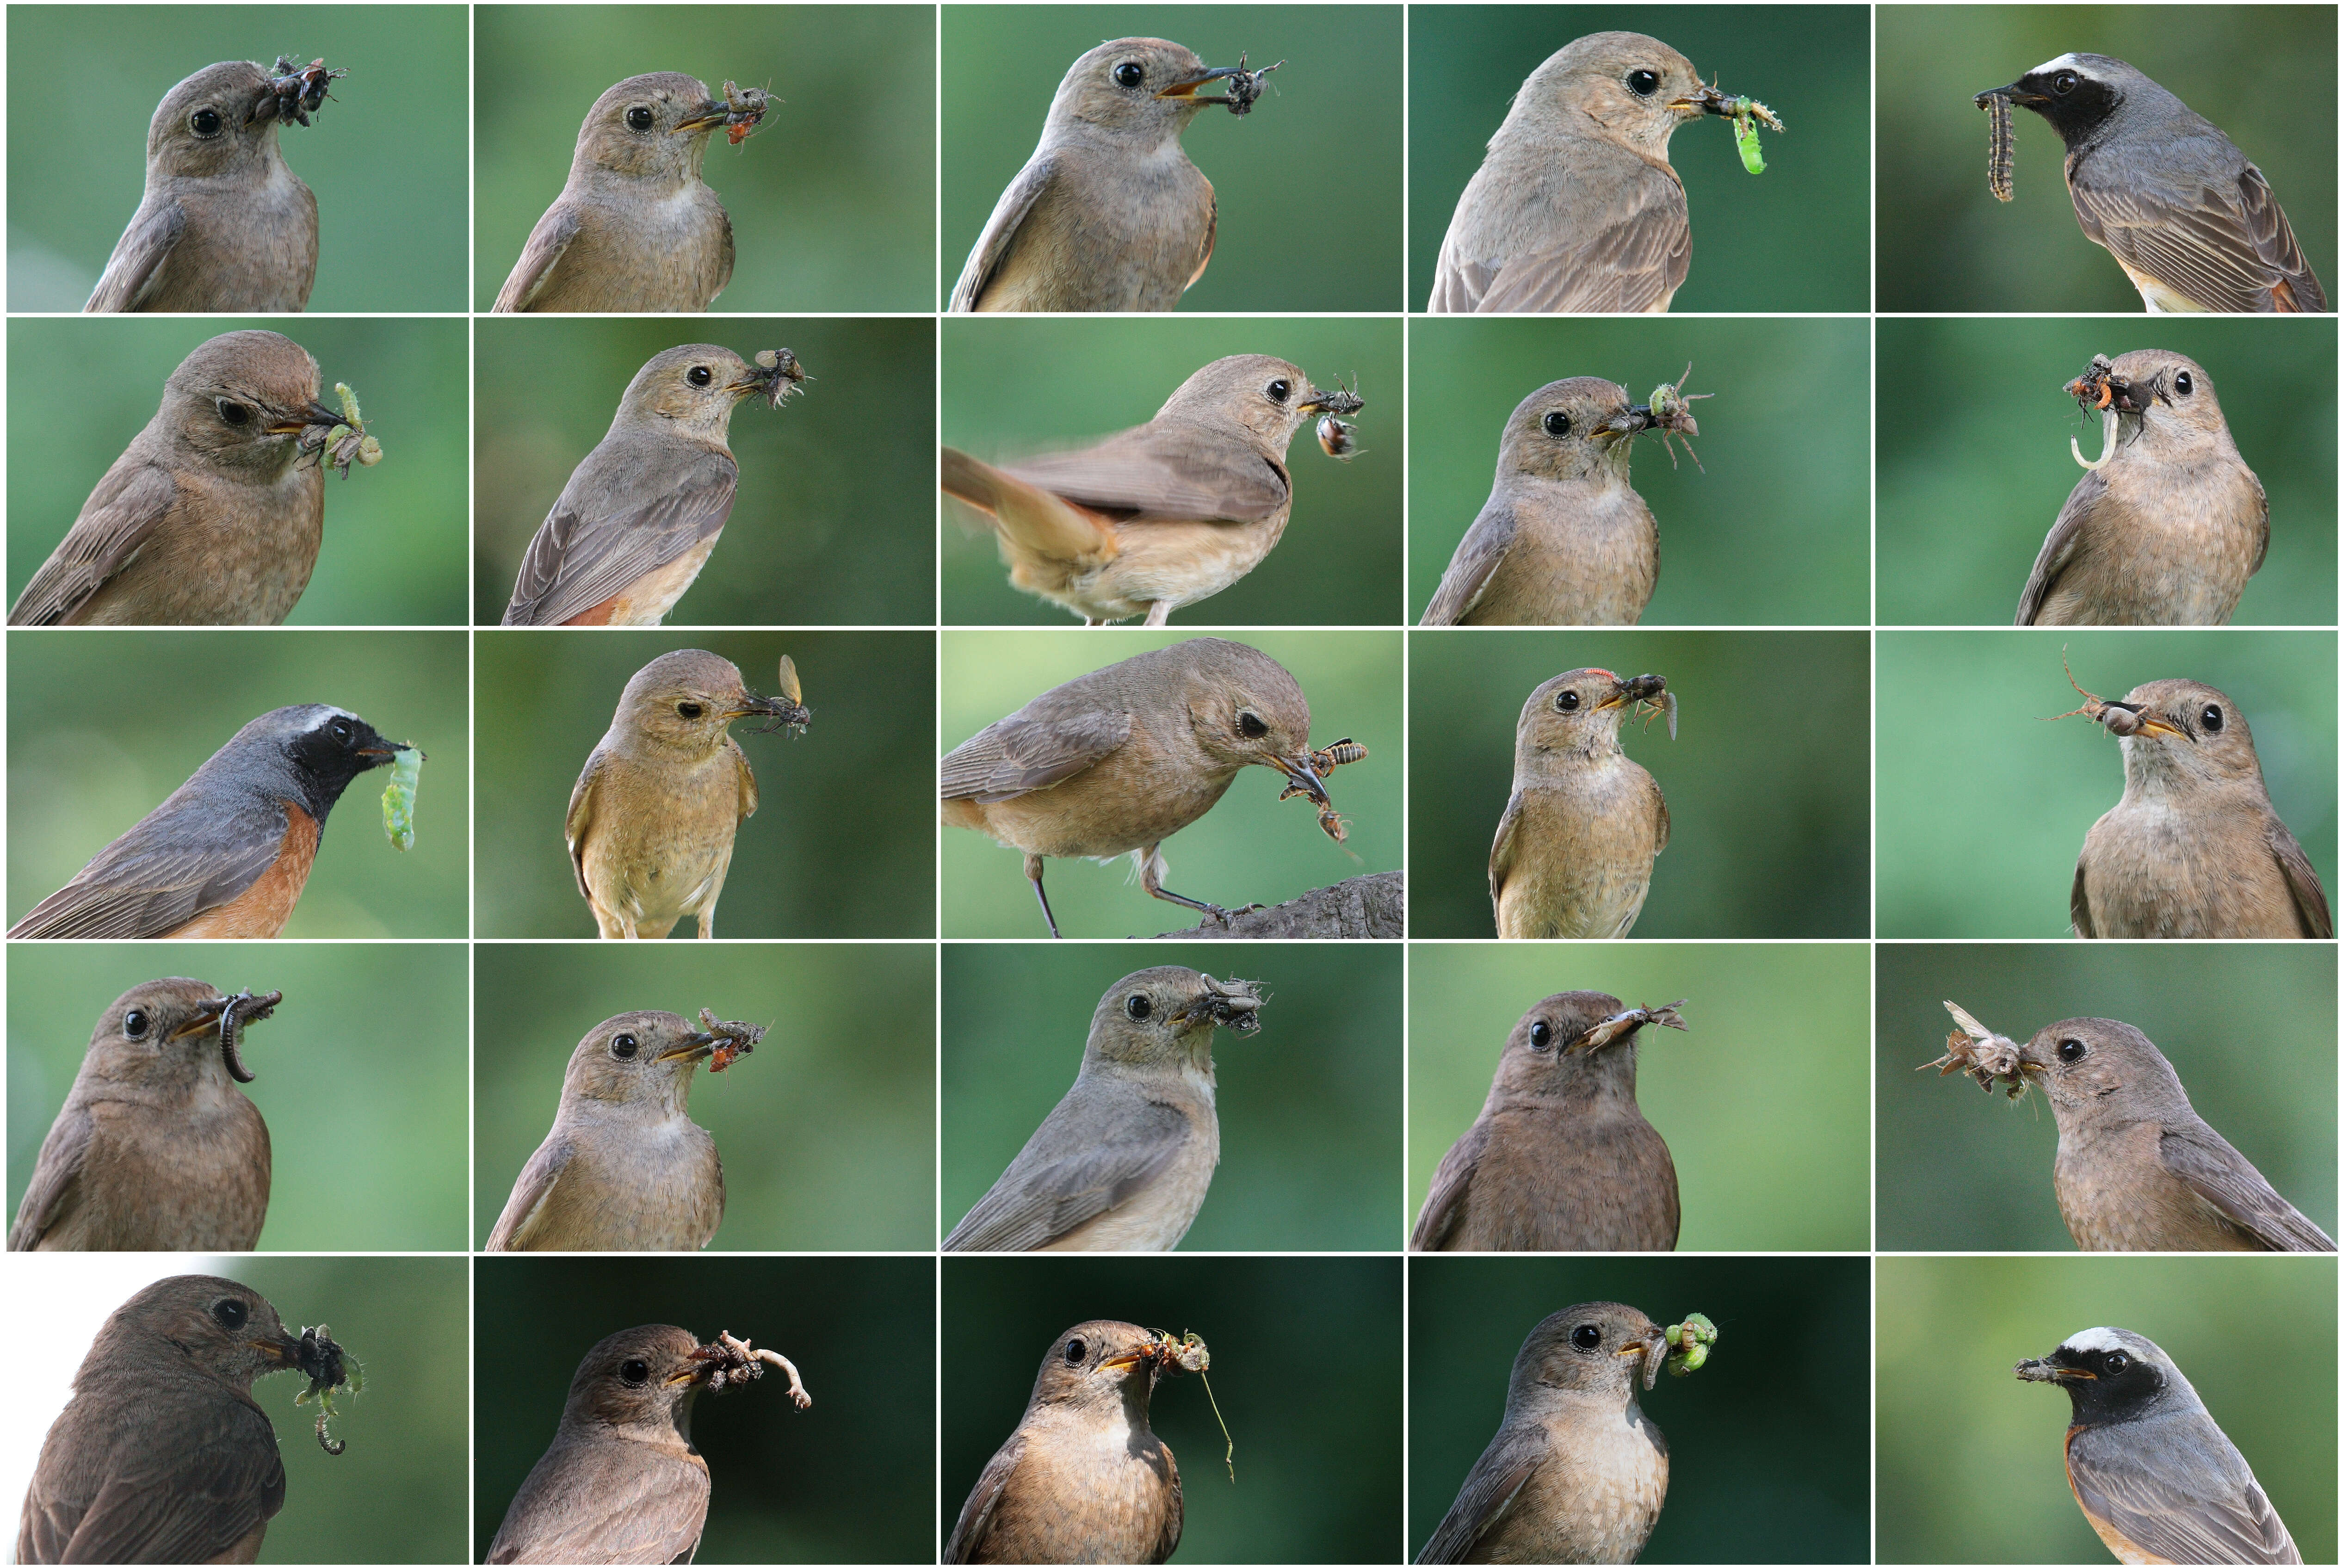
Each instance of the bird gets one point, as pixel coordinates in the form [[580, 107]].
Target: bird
[[1122, 1163], [2191, 222], [1560, 1159], [1108, 213], [1563, 539], [225, 223], [652, 817], [2157, 1479], [625, 1168], [228, 852], [1577, 1472], [1575, 848], [1162, 514], [634, 228], [214, 514], [2194, 848], [1082, 1479], [161, 1455], [622, 1482], [1118, 760], [155, 1149], [639, 516], [2167, 528], [1576, 207]]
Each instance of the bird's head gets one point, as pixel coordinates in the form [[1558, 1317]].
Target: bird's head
[[1632, 88], [163, 1039], [2082, 1062], [1577, 713], [206, 128], [225, 1329], [1576, 1045], [686, 701], [2077, 94], [642, 1060], [1600, 1348], [651, 128], [2111, 1374], [1580, 428], [1142, 91], [241, 400], [638, 1381]]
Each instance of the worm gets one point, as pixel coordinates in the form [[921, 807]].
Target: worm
[[258, 1007], [2002, 151], [2107, 450]]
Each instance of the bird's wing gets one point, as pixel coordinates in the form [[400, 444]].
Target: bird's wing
[[538, 257], [2261, 520], [56, 1179], [1039, 1198], [1204, 258], [1501, 853], [1443, 1206], [188, 1490], [534, 1186], [118, 516], [1660, 828], [1635, 263], [162, 873], [747, 777], [1497, 1478], [1020, 755], [2225, 246], [2227, 1179], [138, 255], [604, 534], [724, 272], [975, 1521], [1175, 1511], [1029, 516], [1184, 472], [2058, 548], [2174, 1505], [2309, 896], [604, 1505], [580, 820], [2078, 904], [1008, 214], [1478, 556]]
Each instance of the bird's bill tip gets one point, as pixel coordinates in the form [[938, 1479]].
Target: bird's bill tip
[[2034, 1370], [1633, 420], [284, 1351], [207, 1012], [710, 113], [691, 1048], [1185, 87], [1707, 101], [1124, 1358], [1304, 777], [1337, 401], [2013, 92]]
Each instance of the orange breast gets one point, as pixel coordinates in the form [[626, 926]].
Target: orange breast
[[263, 908]]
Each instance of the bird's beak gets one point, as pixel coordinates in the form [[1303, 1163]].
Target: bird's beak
[[710, 113], [1234, 1004], [1304, 777], [1185, 87], [387, 749], [1708, 101], [752, 704], [1633, 420], [285, 1351], [2033, 1370], [693, 1048], [776, 382], [316, 413], [1654, 1349], [1632, 691], [1337, 401], [207, 1018], [2148, 721], [2014, 93]]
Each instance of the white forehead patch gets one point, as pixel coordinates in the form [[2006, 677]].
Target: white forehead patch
[[2100, 1339], [2063, 63]]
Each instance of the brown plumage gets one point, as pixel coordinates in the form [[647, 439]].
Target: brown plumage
[[1575, 848]]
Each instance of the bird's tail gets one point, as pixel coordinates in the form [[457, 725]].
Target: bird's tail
[[1030, 519]]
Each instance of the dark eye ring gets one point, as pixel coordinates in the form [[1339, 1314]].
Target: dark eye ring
[[1642, 84], [1138, 1006], [638, 119], [1541, 1035], [1251, 725], [636, 1370], [690, 709], [204, 123], [1586, 1336], [341, 730], [1557, 425], [1075, 1351], [2115, 1363], [229, 1312], [134, 1024], [232, 412], [1278, 391], [1565, 702], [2063, 83], [2072, 1050], [1128, 73], [624, 1047], [2212, 716], [2184, 383], [698, 376]]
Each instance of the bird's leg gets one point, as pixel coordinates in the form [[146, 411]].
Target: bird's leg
[[1159, 613], [1151, 878], [708, 923], [1033, 864]]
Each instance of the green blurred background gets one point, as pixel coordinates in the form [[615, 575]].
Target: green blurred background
[[1770, 1160], [1794, 238], [1250, 848], [1969, 488], [1308, 186], [832, 201], [1779, 533], [1969, 1458], [79, 777], [1013, 387], [367, 1144], [1946, 243], [1767, 784], [827, 1133], [386, 155], [1309, 1107], [394, 544], [848, 1481], [1955, 1175], [840, 844], [830, 524], [1767, 1443], [1981, 810], [1317, 1456]]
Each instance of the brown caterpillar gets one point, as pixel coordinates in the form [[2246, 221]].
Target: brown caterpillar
[[2002, 151]]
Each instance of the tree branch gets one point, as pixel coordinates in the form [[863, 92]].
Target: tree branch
[[1370, 906]]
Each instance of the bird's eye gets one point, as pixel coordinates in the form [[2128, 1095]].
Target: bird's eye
[[1541, 1035], [2212, 720], [229, 1312], [134, 1024], [690, 709], [624, 1047], [1642, 84], [1128, 73], [2115, 1363], [204, 123], [1557, 425], [232, 412], [1137, 1006], [1251, 726], [2184, 383], [636, 1370], [1075, 1351], [1278, 391], [2072, 1050], [698, 376], [341, 729], [638, 119], [1586, 1336], [2063, 83], [1566, 702]]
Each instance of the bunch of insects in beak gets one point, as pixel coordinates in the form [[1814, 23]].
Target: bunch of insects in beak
[[2097, 391], [1330, 821], [399, 796], [242, 1008], [1671, 410], [1746, 115], [1234, 1005], [295, 91], [745, 106], [1648, 704], [1245, 88], [1612, 1027], [328, 1368], [2115, 717], [734, 1361], [1688, 1344], [788, 376], [1337, 436], [790, 691], [347, 442], [2001, 150], [1188, 1353], [1989, 1058], [737, 1040]]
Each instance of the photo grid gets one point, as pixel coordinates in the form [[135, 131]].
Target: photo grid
[[1112, 426]]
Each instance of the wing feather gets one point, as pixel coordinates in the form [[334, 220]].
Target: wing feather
[[120, 516], [138, 256], [1479, 554], [1025, 752], [542, 254]]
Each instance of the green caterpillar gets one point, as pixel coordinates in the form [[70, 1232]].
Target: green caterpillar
[[1690, 1341], [1747, 115], [399, 796]]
